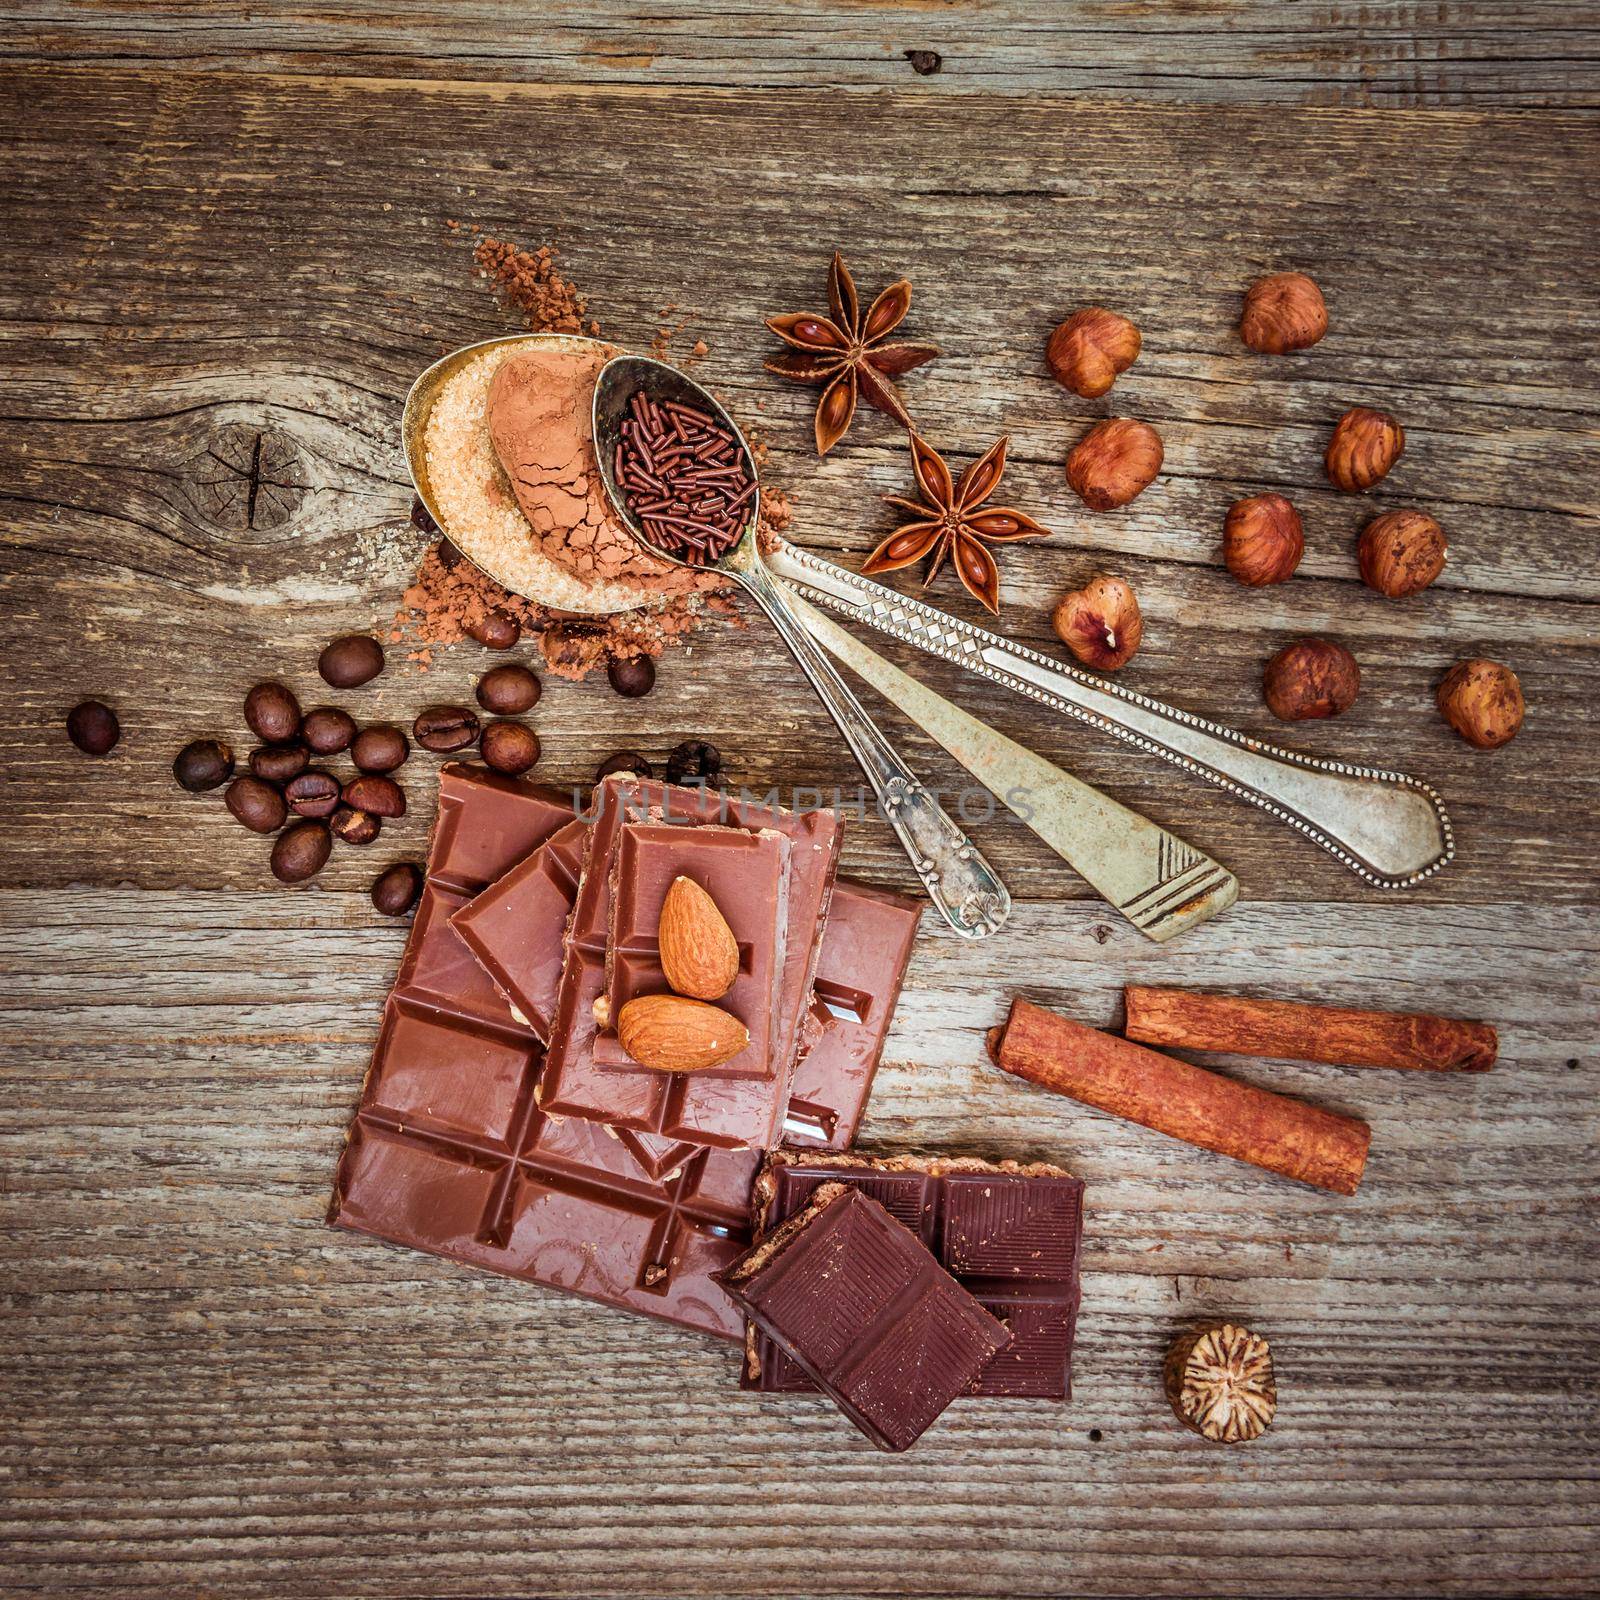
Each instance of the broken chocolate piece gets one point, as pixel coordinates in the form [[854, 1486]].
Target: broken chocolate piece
[[862, 1306]]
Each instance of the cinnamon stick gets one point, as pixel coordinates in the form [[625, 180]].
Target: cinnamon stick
[[1294, 1031], [1186, 1102]]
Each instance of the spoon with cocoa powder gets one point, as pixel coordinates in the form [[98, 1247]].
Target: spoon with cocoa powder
[[682, 479]]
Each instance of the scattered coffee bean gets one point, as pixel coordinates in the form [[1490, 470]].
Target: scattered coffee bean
[[496, 630], [634, 677], [203, 764], [256, 804], [509, 747], [272, 712], [508, 691], [695, 761], [314, 793], [94, 728], [445, 728], [278, 763], [380, 748], [355, 827], [396, 889], [328, 730], [420, 520], [624, 761], [383, 797], [301, 851], [351, 661]]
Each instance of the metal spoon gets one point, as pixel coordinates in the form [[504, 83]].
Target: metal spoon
[[965, 890]]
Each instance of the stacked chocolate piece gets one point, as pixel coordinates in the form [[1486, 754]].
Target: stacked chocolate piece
[[503, 1123]]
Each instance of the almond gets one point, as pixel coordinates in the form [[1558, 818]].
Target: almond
[[671, 1034], [699, 953]]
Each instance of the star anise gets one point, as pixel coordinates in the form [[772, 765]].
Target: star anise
[[847, 353], [949, 525]]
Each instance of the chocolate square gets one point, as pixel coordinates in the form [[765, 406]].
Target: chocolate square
[[747, 877], [730, 1112], [866, 1311], [1009, 1233]]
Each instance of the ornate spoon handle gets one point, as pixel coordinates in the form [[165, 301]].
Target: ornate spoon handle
[[1386, 827], [965, 890]]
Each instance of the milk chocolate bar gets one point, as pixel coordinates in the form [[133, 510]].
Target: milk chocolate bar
[[729, 1112], [1008, 1233], [857, 1301], [449, 1151], [747, 877]]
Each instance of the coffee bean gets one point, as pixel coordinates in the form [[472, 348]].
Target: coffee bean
[[445, 728], [695, 761], [508, 691], [380, 748], [634, 677], [509, 747], [256, 804], [624, 761], [272, 713], [328, 730], [497, 630], [278, 763], [396, 889], [314, 793], [94, 728], [202, 764], [350, 661], [301, 851], [420, 520], [355, 827], [383, 797]]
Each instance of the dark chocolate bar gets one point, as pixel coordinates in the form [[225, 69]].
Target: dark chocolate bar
[[747, 877], [731, 1112], [860, 1304], [1009, 1233], [449, 1151]]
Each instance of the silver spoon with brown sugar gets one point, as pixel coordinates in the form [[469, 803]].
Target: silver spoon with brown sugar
[[682, 479]]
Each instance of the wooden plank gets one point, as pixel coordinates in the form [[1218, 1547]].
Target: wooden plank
[[208, 1390], [1387, 53], [188, 268]]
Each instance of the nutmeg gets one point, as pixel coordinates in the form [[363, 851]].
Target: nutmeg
[[1100, 623], [1262, 540], [1401, 552], [1090, 348], [1283, 312], [1114, 462], [1364, 446], [1482, 701], [1310, 678]]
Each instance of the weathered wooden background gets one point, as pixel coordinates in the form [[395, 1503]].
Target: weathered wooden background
[[224, 257]]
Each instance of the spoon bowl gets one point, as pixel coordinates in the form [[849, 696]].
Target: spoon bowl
[[619, 380], [524, 578]]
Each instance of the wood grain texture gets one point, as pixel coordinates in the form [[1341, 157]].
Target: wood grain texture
[[215, 288], [1383, 53]]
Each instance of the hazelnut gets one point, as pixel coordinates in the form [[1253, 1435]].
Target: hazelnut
[[1283, 312], [1090, 348], [1114, 462], [1262, 540], [1401, 552], [1310, 678], [1364, 446], [1482, 701], [1100, 623]]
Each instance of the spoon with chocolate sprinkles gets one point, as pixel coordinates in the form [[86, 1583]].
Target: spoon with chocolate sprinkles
[[682, 479]]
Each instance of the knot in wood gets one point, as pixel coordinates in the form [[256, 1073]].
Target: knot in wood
[[248, 478]]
